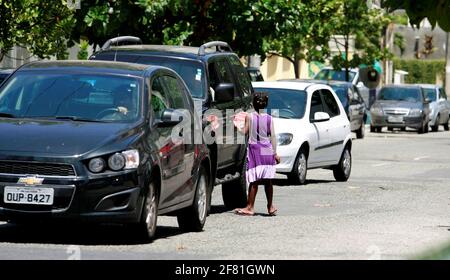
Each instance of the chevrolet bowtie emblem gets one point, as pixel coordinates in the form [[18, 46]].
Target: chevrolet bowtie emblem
[[30, 181]]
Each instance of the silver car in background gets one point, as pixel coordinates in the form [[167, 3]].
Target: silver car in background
[[439, 106], [400, 106]]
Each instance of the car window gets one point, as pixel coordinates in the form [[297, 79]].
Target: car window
[[159, 98], [316, 104], [442, 94], [330, 105], [430, 93], [177, 95], [287, 103], [401, 94], [87, 96], [220, 73], [242, 76], [191, 71]]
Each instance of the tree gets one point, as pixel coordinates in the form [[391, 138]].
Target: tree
[[39, 26], [366, 26], [303, 31], [436, 11]]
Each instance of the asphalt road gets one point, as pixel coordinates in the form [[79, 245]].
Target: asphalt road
[[396, 205]]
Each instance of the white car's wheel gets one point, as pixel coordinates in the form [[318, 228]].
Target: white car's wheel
[[300, 169], [342, 171]]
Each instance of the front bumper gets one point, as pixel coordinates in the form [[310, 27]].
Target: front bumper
[[112, 199], [288, 154], [406, 121]]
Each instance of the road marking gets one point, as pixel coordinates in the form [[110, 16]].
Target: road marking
[[381, 164], [419, 158]]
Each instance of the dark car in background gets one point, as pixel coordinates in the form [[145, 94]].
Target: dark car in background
[[217, 80], [351, 100], [4, 73], [400, 106], [91, 142]]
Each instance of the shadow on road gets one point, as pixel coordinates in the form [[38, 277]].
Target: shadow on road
[[285, 182], [78, 234]]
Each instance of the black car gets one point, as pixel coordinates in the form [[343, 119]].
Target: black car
[[91, 142], [217, 80], [4, 73], [351, 100]]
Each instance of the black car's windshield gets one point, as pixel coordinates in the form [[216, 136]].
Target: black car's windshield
[[430, 93], [335, 75], [285, 103], [342, 91], [69, 96], [400, 94]]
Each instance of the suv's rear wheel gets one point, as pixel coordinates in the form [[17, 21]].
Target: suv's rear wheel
[[234, 193], [342, 171], [300, 169], [193, 218]]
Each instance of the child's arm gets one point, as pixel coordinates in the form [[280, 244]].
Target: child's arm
[[247, 124], [273, 138]]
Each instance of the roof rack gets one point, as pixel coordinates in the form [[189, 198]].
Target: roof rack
[[117, 40], [220, 47]]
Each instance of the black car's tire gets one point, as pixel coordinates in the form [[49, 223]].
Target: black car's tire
[[361, 131], [193, 218], [146, 227], [427, 128], [234, 193], [435, 127], [390, 128], [372, 128], [421, 130], [300, 169], [446, 127], [403, 129], [343, 169], [379, 129]]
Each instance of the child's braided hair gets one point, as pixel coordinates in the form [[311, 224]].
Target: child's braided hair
[[260, 100]]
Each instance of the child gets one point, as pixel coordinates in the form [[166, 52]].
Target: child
[[261, 155]]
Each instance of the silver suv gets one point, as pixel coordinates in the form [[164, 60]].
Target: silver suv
[[400, 106], [439, 106]]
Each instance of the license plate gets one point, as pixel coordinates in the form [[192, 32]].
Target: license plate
[[395, 119], [28, 195]]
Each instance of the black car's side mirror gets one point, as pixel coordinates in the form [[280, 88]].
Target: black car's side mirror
[[169, 117], [224, 92]]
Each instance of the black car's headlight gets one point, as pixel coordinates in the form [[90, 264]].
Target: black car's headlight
[[97, 165], [124, 160]]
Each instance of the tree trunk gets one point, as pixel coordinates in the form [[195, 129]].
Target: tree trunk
[[297, 65]]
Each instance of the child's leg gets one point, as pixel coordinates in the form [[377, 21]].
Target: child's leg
[[248, 210], [268, 187]]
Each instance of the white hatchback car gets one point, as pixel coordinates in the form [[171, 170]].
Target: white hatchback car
[[312, 129]]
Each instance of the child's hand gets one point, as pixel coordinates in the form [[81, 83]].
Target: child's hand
[[277, 159]]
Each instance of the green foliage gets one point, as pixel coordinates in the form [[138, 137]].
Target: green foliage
[[302, 30], [40, 26], [399, 42], [83, 52], [366, 26], [436, 11], [421, 71]]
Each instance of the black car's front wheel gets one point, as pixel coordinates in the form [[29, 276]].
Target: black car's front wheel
[[193, 218], [361, 131], [146, 227]]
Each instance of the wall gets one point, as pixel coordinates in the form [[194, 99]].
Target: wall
[[276, 68]]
